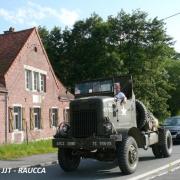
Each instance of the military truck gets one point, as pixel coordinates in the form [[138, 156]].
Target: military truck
[[103, 128]]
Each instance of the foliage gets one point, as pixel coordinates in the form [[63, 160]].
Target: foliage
[[173, 67], [123, 44]]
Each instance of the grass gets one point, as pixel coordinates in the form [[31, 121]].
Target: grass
[[14, 151]]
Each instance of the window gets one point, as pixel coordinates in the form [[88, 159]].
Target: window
[[17, 118], [28, 75], [37, 118], [43, 83], [36, 81], [91, 87], [66, 114], [54, 117]]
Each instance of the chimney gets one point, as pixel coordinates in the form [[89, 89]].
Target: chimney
[[11, 30]]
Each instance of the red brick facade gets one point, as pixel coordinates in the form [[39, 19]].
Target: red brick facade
[[31, 56]]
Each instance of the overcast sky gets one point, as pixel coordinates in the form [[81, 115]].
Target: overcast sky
[[22, 14]]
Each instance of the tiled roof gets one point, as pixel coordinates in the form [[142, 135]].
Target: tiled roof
[[10, 46]]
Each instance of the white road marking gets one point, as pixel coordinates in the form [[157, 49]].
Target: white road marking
[[169, 168], [172, 170]]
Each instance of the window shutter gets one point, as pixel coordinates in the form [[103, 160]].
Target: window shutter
[[50, 117], [11, 119], [23, 119], [41, 119], [31, 118], [44, 83]]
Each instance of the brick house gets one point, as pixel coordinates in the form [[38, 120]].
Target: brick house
[[32, 100]]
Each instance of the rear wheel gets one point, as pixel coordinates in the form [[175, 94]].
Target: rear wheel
[[164, 147], [166, 142], [67, 160], [157, 151], [127, 155]]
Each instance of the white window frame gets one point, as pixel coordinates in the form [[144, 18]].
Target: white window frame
[[37, 84], [65, 114], [40, 72], [28, 89], [35, 69], [54, 114], [36, 128], [42, 80], [14, 114]]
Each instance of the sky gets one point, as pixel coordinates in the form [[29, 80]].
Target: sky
[[22, 14]]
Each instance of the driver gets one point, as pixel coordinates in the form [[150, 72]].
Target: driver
[[119, 96]]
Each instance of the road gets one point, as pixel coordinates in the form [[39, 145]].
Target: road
[[170, 176], [91, 169]]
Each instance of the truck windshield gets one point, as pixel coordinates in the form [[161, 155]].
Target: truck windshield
[[94, 87]]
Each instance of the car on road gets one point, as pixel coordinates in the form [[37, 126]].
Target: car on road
[[173, 124]]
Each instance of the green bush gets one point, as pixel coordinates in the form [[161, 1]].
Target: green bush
[[13, 151]]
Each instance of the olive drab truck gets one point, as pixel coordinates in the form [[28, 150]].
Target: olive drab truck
[[105, 129]]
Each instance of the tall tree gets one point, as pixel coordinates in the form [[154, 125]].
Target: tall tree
[[124, 44], [173, 68]]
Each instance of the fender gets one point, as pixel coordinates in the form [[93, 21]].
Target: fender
[[135, 133]]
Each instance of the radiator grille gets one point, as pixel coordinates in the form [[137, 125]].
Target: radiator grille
[[84, 123]]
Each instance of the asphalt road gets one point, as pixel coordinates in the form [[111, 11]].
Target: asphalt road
[[170, 176], [91, 169]]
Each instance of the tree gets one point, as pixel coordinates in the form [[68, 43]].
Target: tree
[[125, 44], [173, 67]]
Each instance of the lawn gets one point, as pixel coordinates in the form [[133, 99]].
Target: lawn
[[14, 151]]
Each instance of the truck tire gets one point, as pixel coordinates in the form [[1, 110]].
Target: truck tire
[[127, 155], [141, 115], [157, 151], [163, 148], [67, 161], [166, 142]]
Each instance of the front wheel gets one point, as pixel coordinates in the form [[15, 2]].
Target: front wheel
[[127, 155], [67, 160]]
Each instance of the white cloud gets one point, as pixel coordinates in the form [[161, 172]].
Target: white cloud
[[68, 17], [34, 14]]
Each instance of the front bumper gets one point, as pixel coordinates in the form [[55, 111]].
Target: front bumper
[[87, 143]]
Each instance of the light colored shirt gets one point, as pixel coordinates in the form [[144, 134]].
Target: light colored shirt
[[120, 96]]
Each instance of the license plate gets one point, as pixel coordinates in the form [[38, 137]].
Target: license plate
[[61, 143], [102, 143]]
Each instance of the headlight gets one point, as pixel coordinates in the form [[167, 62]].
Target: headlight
[[108, 127], [63, 129]]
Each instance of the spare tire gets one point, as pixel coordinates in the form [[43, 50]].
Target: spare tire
[[141, 115]]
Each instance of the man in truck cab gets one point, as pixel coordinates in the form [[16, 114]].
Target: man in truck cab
[[119, 95]]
